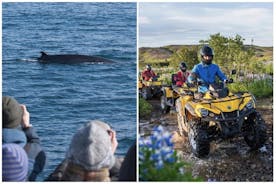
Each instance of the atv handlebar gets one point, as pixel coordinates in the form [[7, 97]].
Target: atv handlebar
[[200, 83]]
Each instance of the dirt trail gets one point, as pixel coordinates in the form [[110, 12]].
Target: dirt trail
[[230, 160]]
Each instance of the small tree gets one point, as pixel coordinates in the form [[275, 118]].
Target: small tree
[[187, 55]]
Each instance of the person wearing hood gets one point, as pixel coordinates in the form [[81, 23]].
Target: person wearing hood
[[16, 128]]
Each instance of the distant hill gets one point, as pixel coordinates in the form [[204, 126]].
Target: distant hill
[[263, 52], [159, 55]]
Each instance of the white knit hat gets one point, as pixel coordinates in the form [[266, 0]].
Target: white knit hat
[[91, 147]]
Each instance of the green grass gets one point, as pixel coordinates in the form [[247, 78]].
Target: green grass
[[145, 108], [260, 88]]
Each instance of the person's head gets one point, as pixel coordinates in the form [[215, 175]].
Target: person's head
[[14, 163], [206, 54], [91, 147], [183, 66], [148, 67], [11, 112]]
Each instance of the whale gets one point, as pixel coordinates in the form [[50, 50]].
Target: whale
[[71, 58]]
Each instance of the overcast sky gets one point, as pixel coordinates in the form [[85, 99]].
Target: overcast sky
[[184, 23]]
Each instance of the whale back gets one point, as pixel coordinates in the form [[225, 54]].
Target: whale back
[[71, 58]]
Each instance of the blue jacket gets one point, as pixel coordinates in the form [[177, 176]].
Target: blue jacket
[[206, 74], [29, 140]]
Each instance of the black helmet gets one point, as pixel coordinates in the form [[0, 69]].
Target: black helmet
[[148, 67], [183, 66], [207, 51]]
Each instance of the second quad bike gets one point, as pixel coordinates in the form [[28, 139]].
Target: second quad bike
[[149, 89], [170, 93], [219, 114]]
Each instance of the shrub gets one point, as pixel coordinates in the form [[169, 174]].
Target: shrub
[[260, 88], [145, 108], [158, 160]]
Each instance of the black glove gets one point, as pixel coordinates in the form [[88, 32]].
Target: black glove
[[229, 81]]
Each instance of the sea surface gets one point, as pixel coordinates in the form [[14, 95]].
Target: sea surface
[[62, 97]]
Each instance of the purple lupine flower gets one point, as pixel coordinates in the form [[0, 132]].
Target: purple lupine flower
[[159, 164], [170, 160], [160, 143], [182, 170]]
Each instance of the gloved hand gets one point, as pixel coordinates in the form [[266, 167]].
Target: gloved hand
[[200, 83], [191, 84], [228, 81]]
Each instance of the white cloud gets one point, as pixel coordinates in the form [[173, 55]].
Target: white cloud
[[191, 23], [144, 20]]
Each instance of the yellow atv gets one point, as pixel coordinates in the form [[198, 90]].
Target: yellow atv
[[219, 114], [149, 89], [170, 93], [167, 99]]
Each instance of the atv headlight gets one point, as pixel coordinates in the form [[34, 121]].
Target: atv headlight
[[203, 112], [250, 104]]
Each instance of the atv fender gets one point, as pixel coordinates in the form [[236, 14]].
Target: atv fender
[[190, 109], [167, 92]]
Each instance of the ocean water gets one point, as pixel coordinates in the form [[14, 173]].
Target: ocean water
[[62, 97]]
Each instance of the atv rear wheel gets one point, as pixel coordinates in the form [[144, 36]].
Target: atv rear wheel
[[146, 93], [165, 108], [198, 139], [255, 131]]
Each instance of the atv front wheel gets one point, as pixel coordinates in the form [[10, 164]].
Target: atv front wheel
[[198, 139], [146, 93], [255, 131]]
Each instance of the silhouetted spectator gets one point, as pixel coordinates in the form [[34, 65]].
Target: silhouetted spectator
[[128, 168]]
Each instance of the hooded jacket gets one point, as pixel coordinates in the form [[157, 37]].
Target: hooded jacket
[[29, 140]]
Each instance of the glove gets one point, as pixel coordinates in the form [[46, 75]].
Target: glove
[[200, 83], [228, 81]]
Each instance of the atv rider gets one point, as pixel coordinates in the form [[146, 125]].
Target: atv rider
[[182, 75], [205, 72], [148, 74]]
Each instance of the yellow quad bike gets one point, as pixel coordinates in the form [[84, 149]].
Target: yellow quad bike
[[170, 93], [149, 89], [167, 99], [219, 114]]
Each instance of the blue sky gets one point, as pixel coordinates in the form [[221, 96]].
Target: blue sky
[[179, 23]]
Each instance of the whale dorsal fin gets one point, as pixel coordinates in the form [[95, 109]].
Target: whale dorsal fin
[[43, 54]]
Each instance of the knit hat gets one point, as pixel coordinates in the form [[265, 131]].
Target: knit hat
[[14, 163], [11, 112], [91, 147]]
